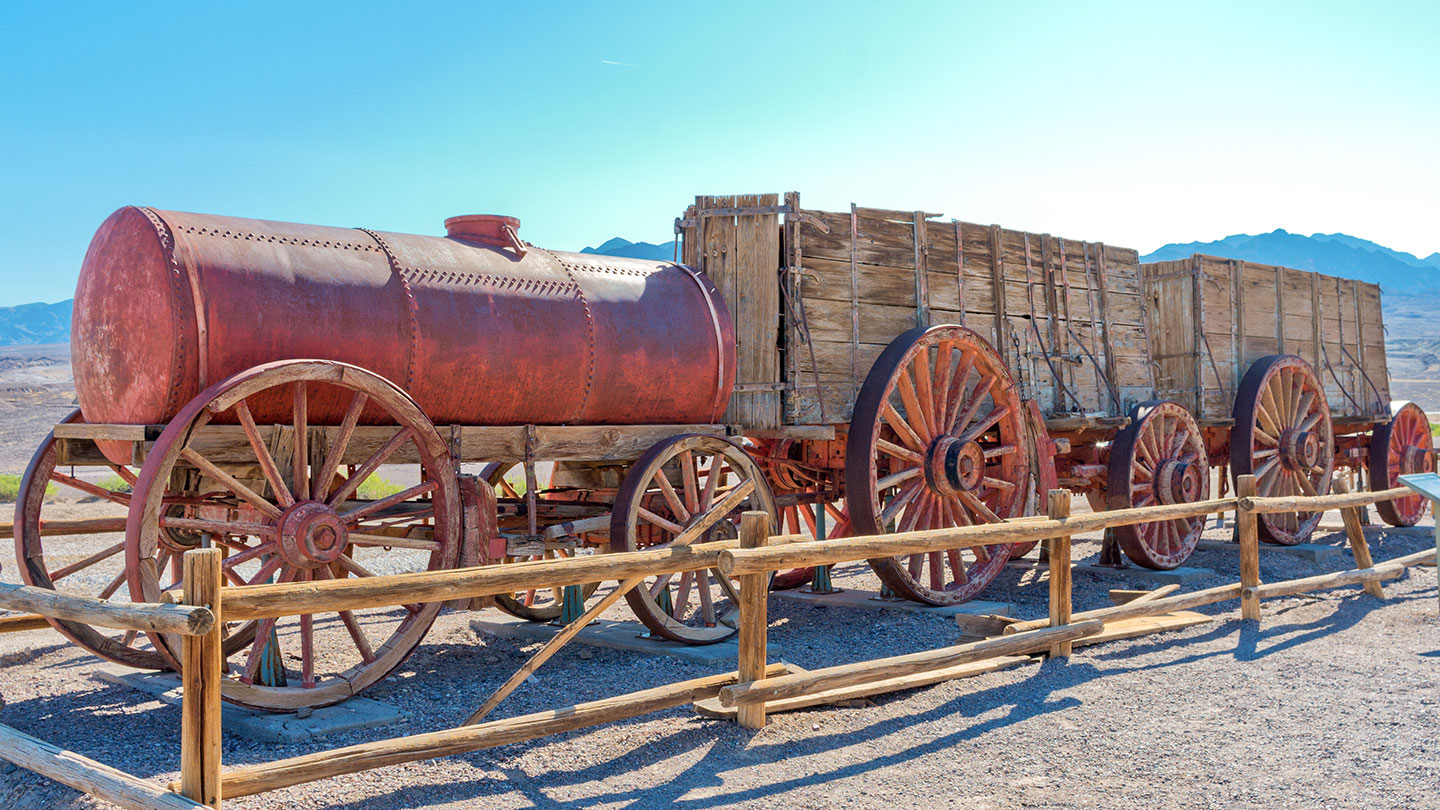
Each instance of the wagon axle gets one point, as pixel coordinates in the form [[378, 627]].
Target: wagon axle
[[953, 466]]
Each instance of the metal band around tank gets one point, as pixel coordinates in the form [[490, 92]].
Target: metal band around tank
[[412, 307]]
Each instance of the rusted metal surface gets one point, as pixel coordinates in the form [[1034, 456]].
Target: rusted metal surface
[[480, 328]]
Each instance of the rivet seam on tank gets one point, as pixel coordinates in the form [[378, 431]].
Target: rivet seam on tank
[[282, 240], [589, 333], [411, 305], [178, 285]]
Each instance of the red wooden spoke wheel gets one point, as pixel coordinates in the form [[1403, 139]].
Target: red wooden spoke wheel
[[1159, 458], [937, 440], [1405, 446], [801, 519], [532, 605], [1282, 436], [302, 517], [676, 484], [69, 535]]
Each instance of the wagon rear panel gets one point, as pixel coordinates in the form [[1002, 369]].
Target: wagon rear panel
[[1212, 318], [1072, 335]]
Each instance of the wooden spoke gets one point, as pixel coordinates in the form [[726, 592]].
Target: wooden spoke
[[977, 398], [707, 599], [230, 482], [998, 451], [914, 411], [979, 508], [712, 479], [300, 462], [307, 645], [904, 453], [1310, 421], [125, 474], [979, 428], [104, 554], [262, 455], [940, 406], [90, 489], [902, 428], [901, 499], [1305, 485], [997, 483], [688, 477], [325, 476], [371, 464], [667, 525], [247, 555], [1261, 437], [677, 506], [391, 541], [423, 488], [959, 383], [896, 479], [923, 390], [267, 570]]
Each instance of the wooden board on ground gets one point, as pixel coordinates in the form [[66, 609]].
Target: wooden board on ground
[[1144, 626], [710, 707]]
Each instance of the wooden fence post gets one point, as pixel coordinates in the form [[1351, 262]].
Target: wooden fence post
[[1059, 509], [201, 661], [1359, 547], [754, 618], [1247, 525]]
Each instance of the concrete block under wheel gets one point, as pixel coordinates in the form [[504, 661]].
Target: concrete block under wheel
[[870, 600], [1305, 551], [614, 635], [351, 715]]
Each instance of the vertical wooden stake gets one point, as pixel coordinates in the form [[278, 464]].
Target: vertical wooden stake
[[1059, 509], [1358, 545], [201, 661], [754, 620], [1248, 529]]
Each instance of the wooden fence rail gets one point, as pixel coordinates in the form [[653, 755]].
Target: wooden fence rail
[[754, 683]]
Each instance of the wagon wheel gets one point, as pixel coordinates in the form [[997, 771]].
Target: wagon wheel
[[532, 605], [99, 573], [936, 441], [1159, 458], [800, 519], [679, 482], [1405, 446], [304, 523], [1282, 436]]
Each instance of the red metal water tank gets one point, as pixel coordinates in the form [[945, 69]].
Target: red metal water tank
[[479, 327]]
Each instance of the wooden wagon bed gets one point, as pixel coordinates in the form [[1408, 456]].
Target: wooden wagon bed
[[1238, 312], [1067, 316]]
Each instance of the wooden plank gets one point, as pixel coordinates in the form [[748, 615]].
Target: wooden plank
[[1154, 607], [200, 683], [109, 432], [710, 707], [754, 530], [86, 775], [1247, 530], [253, 779], [828, 678], [1144, 626], [1355, 533], [1059, 509]]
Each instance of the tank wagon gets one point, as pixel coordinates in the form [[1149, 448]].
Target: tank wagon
[[244, 384]]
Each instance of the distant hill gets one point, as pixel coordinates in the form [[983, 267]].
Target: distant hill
[[31, 324], [1335, 254], [635, 250]]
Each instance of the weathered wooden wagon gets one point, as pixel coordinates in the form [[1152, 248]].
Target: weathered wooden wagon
[[937, 373], [1285, 371]]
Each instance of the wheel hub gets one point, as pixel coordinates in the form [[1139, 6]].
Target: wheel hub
[[311, 535], [953, 466], [1178, 482], [1299, 449], [1412, 460]]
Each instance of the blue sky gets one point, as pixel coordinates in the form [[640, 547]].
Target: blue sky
[[1132, 123]]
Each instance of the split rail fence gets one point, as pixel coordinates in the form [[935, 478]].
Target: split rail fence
[[749, 689]]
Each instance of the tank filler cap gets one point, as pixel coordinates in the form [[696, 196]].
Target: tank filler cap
[[489, 229]]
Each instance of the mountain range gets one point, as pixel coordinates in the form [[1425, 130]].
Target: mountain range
[[1411, 284]]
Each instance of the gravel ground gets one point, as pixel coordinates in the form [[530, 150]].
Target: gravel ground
[[1333, 701]]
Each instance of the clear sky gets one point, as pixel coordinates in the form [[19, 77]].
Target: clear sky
[[1132, 123]]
